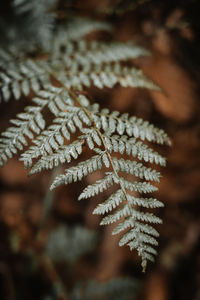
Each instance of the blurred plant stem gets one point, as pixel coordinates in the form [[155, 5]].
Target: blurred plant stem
[[58, 286], [43, 259], [48, 199]]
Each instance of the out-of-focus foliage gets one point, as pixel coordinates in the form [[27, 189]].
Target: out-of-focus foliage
[[117, 288], [67, 243]]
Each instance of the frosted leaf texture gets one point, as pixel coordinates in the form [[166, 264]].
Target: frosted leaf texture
[[54, 80]]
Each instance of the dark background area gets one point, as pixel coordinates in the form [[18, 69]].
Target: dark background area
[[170, 30]]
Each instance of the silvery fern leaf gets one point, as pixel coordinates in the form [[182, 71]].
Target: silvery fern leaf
[[38, 18], [55, 80], [25, 126], [75, 29], [63, 154]]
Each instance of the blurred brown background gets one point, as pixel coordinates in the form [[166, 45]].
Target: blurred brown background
[[170, 30]]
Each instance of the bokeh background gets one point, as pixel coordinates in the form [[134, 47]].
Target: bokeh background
[[51, 246]]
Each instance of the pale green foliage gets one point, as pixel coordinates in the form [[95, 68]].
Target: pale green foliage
[[67, 243], [117, 288], [28, 24], [58, 80]]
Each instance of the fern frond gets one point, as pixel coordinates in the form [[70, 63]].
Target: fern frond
[[56, 99], [86, 54], [145, 202], [122, 212], [61, 155], [38, 21], [35, 75], [130, 221], [55, 80], [53, 137], [81, 170], [146, 229], [111, 203], [7, 56], [31, 122], [132, 126], [101, 75], [18, 78], [78, 27], [130, 235], [125, 211], [131, 146], [99, 186], [15, 138], [140, 187], [137, 169]]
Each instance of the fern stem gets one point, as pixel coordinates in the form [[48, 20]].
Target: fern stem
[[73, 95], [112, 164]]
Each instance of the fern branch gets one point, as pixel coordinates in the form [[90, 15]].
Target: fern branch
[[103, 142], [131, 146], [78, 172], [75, 29], [137, 169], [61, 155], [132, 126], [86, 54], [52, 138], [31, 122], [111, 203], [57, 79], [99, 186], [18, 78], [15, 138]]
